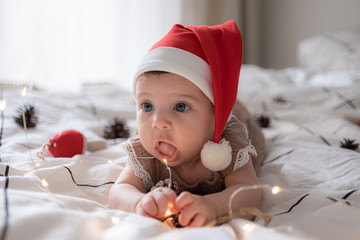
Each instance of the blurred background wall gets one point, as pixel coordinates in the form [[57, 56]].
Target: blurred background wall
[[62, 44], [286, 22]]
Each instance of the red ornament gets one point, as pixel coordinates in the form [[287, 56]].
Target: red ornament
[[67, 143]]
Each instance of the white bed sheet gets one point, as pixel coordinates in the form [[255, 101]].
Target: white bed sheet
[[310, 116]]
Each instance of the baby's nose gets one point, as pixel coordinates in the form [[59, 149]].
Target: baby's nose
[[161, 121]]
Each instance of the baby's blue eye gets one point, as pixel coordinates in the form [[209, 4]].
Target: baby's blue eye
[[181, 107], [147, 107]]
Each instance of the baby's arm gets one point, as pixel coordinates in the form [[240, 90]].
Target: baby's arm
[[129, 194], [200, 210]]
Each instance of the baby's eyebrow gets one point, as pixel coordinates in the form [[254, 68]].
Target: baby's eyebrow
[[142, 94], [191, 96]]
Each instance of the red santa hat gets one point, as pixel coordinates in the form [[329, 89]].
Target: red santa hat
[[210, 57]]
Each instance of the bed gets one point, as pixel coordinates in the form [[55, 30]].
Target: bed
[[310, 117]]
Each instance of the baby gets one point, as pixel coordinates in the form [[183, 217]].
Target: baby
[[188, 119]]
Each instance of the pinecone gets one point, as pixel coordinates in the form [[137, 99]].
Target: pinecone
[[30, 114], [116, 129], [349, 144], [263, 121]]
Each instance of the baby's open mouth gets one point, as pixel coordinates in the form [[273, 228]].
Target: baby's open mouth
[[166, 150]]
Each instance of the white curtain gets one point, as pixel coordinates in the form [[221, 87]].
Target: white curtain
[[62, 44]]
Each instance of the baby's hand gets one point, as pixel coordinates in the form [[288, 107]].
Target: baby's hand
[[157, 203], [195, 211]]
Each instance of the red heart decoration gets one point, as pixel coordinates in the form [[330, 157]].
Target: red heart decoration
[[67, 143]]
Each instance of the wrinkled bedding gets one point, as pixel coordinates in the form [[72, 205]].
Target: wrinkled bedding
[[309, 115]]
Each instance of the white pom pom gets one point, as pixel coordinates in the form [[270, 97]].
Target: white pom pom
[[216, 156]]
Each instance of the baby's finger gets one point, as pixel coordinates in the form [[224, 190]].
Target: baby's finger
[[162, 205], [161, 198], [185, 217], [169, 193], [148, 207], [184, 199], [143, 213], [198, 221], [165, 199]]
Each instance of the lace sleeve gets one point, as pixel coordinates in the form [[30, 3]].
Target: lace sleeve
[[139, 170], [237, 134], [243, 156]]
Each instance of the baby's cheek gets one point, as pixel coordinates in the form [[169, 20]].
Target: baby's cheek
[[193, 147], [145, 136]]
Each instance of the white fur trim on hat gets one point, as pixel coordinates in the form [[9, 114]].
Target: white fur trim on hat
[[180, 62], [216, 156]]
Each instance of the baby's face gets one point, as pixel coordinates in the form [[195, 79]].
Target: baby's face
[[175, 119]]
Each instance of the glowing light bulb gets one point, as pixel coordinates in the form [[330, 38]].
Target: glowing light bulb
[[168, 210], [23, 91], [168, 213], [246, 227], [275, 190], [115, 220], [2, 105], [167, 167], [44, 183]]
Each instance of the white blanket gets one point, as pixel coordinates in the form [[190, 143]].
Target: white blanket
[[66, 198]]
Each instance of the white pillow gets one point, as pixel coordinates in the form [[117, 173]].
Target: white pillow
[[335, 51]]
